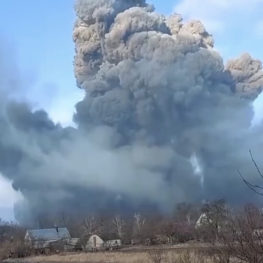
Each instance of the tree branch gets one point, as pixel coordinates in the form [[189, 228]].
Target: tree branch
[[255, 164]]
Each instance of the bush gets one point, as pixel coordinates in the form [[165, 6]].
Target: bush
[[13, 249]]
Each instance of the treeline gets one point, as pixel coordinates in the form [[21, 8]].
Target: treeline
[[233, 233], [135, 228], [153, 227]]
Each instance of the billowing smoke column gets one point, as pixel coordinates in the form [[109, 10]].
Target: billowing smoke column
[[163, 120], [158, 82]]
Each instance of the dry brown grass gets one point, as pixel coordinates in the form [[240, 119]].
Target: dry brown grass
[[4, 249], [149, 256]]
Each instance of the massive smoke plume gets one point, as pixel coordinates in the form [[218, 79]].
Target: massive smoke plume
[[163, 120]]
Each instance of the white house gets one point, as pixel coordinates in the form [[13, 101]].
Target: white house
[[94, 243]]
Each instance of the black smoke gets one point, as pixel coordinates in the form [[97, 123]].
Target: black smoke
[[158, 96]]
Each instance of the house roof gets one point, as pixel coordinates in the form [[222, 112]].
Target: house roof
[[49, 234], [92, 236], [203, 220]]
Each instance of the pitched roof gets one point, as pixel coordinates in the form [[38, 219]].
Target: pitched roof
[[49, 234], [203, 220]]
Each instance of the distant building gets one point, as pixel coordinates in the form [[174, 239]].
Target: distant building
[[112, 244], [94, 243], [203, 220], [73, 244], [42, 238]]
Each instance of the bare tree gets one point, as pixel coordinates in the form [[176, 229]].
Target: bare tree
[[118, 224], [258, 189], [139, 222], [242, 236], [216, 214], [12, 241], [138, 225], [186, 213], [92, 225]]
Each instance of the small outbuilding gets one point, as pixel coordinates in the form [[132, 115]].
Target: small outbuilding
[[94, 243], [73, 244], [112, 244], [202, 221]]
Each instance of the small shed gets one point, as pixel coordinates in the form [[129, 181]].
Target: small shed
[[94, 243], [42, 238], [202, 221], [112, 244], [73, 244]]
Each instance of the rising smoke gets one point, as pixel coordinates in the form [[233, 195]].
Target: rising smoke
[[163, 120]]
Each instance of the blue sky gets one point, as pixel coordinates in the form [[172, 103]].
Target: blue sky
[[40, 32], [39, 35]]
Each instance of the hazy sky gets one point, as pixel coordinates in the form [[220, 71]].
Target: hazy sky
[[39, 33]]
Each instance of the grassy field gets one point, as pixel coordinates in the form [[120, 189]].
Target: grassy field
[[152, 255]]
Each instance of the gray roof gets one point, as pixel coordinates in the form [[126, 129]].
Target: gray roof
[[49, 234]]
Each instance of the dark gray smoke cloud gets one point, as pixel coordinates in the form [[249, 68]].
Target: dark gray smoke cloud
[[163, 120], [158, 82]]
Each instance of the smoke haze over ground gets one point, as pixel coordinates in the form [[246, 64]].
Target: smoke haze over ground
[[163, 119]]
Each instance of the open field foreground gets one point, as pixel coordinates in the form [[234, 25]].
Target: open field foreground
[[150, 255]]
